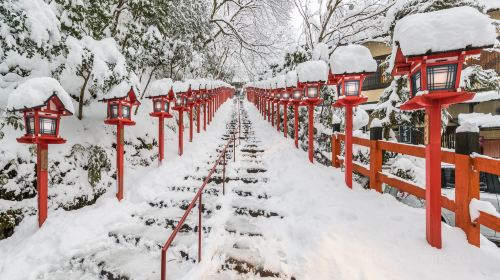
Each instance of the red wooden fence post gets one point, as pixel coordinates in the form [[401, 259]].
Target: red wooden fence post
[[375, 158], [335, 151]]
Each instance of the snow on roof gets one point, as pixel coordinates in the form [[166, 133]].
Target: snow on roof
[[180, 87], [312, 71], [36, 92], [467, 127], [121, 90], [352, 59], [194, 84], [160, 87], [445, 30], [291, 78], [321, 52], [484, 96], [480, 119], [281, 81]]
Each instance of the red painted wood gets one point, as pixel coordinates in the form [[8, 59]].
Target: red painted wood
[[42, 182], [190, 123], [433, 177], [310, 133], [278, 118], [161, 140], [348, 145], [296, 124], [285, 120], [181, 132], [198, 113], [119, 160]]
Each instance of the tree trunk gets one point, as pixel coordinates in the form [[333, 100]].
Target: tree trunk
[[82, 96]]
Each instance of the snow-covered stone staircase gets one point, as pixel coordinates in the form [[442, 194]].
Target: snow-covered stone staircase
[[248, 251]]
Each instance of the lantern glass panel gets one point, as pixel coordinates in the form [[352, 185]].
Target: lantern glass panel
[[441, 77], [416, 83], [30, 125], [352, 88], [48, 126], [178, 101], [157, 106], [312, 92], [126, 112], [286, 95], [113, 110], [166, 106], [297, 94], [278, 95], [339, 89]]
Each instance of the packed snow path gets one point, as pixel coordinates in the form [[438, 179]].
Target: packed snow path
[[281, 218]]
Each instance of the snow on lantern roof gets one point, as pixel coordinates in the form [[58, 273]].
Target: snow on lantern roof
[[194, 84], [122, 90], [273, 82], [321, 52], [291, 78], [180, 87], [281, 81], [160, 87], [312, 71], [352, 59], [36, 92], [452, 29]]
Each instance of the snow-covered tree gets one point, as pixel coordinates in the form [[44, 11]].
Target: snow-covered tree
[[341, 22], [91, 68]]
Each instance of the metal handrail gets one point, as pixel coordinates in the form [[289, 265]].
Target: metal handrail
[[198, 196]]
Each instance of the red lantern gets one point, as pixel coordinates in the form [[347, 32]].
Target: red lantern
[[46, 102], [349, 65], [312, 75], [120, 102], [434, 67], [162, 95], [296, 100]]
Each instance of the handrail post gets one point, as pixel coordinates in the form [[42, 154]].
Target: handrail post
[[163, 264], [224, 174], [234, 147], [200, 210]]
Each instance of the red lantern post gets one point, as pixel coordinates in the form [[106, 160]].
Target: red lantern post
[[349, 66], [312, 75], [181, 105], [434, 68], [120, 102], [46, 103], [161, 94]]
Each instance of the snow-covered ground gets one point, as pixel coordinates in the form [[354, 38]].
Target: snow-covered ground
[[321, 230]]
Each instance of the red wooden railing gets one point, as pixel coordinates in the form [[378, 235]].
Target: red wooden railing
[[466, 180], [198, 197]]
